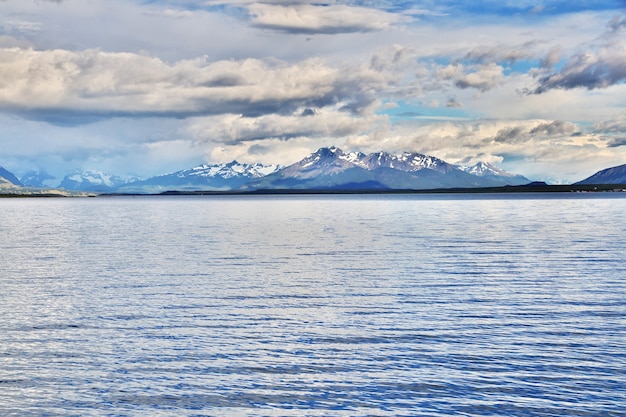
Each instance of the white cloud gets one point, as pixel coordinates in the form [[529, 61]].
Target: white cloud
[[311, 19], [324, 123], [479, 77], [172, 13], [61, 83]]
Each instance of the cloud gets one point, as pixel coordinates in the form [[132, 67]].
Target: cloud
[[617, 24], [612, 130], [326, 123], [479, 77], [529, 132], [514, 134], [21, 26], [500, 53], [92, 84], [596, 67], [453, 103], [317, 19], [538, 9], [617, 142], [589, 70], [311, 17], [556, 127], [614, 125], [172, 13], [552, 57]]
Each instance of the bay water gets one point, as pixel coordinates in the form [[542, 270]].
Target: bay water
[[354, 305]]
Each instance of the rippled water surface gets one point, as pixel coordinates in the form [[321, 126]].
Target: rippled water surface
[[314, 305]]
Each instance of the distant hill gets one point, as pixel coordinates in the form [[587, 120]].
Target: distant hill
[[9, 177], [614, 175]]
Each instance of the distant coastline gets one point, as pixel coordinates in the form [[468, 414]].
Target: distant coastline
[[509, 189], [485, 190]]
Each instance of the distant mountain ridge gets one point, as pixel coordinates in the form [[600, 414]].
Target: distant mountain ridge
[[37, 179], [217, 177], [325, 169], [486, 170], [613, 175], [93, 181], [331, 168], [9, 177], [10, 186]]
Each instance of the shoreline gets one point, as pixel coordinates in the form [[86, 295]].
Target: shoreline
[[527, 189]]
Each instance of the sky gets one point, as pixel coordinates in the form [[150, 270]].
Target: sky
[[147, 87]]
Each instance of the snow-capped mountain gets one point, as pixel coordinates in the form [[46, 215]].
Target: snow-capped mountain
[[325, 161], [487, 170], [96, 181], [331, 168], [37, 179], [407, 162], [9, 187], [218, 177], [7, 175], [614, 175], [227, 171], [324, 169]]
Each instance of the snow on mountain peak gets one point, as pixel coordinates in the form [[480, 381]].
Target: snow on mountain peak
[[90, 180], [322, 168], [229, 170], [482, 169]]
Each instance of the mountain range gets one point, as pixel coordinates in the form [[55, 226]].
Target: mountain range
[[325, 169], [219, 177], [331, 168]]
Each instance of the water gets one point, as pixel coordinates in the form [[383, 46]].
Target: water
[[314, 305]]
